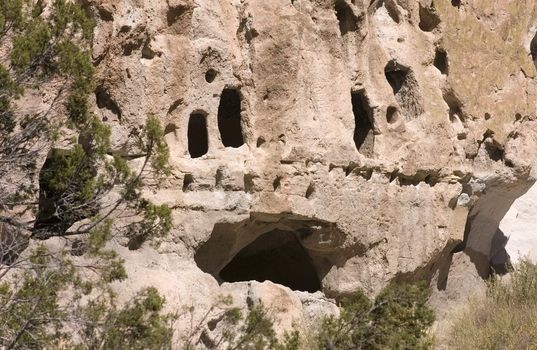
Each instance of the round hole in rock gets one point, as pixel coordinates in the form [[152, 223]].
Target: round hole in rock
[[260, 141], [210, 75], [276, 256]]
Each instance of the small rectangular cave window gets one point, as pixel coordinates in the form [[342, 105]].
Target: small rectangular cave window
[[198, 139], [364, 137], [441, 61], [229, 118]]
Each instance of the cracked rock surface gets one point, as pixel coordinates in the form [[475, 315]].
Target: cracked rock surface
[[380, 137]]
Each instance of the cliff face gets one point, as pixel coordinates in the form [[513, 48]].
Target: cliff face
[[323, 145]]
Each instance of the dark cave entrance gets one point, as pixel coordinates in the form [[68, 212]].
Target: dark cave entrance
[[397, 78], [346, 19], [441, 61], [229, 118], [62, 178], [429, 19], [198, 139], [364, 137], [533, 50], [277, 256], [405, 89]]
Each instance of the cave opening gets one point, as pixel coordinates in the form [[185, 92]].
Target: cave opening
[[429, 19], [405, 89], [277, 256], [210, 75], [346, 18], [364, 137], [455, 107], [198, 139], [392, 115], [229, 118], [64, 175], [533, 50], [396, 77], [441, 61]]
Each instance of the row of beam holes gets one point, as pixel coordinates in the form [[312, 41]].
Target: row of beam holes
[[229, 125]]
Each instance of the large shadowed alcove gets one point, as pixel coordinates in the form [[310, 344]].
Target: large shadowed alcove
[[484, 241], [198, 140], [276, 256], [364, 137], [290, 250], [63, 175], [229, 118]]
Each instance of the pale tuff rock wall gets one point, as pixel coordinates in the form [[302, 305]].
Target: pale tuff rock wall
[[370, 131], [520, 227]]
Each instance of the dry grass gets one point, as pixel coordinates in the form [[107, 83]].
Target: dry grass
[[506, 318]]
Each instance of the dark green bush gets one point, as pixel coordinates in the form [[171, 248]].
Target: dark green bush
[[397, 319]]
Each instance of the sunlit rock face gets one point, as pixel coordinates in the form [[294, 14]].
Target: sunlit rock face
[[519, 226], [380, 136]]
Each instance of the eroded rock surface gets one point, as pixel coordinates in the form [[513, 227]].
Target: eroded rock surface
[[519, 228], [366, 140]]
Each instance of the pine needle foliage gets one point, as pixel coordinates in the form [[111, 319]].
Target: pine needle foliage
[[398, 318]]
